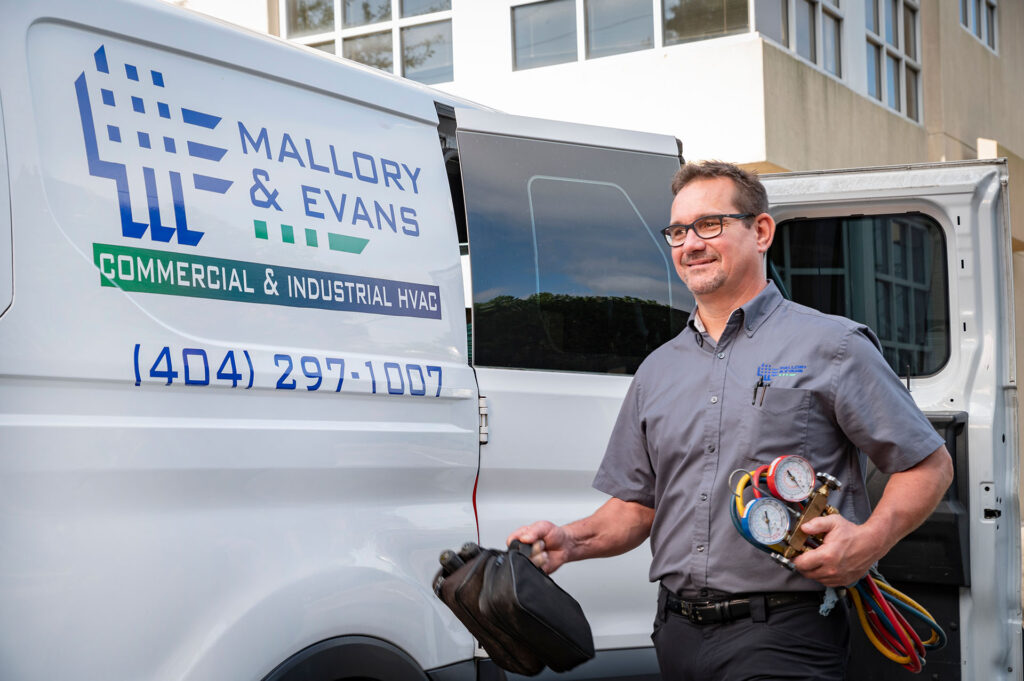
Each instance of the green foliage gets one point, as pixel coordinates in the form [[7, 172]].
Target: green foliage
[[605, 334]]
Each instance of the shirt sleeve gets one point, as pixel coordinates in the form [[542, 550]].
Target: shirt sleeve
[[874, 408], [625, 471]]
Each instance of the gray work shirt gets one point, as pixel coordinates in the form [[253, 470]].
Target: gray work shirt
[[690, 418]]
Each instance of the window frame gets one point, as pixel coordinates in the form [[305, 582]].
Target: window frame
[[659, 14], [577, 6], [834, 9], [586, 33], [858, 272], [339, 34], [978, 26], [898, 52]]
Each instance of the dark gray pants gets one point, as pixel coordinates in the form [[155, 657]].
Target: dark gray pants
[[791, 642]]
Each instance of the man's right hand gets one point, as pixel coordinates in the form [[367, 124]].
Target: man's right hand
[[615, 528], [551, 544]]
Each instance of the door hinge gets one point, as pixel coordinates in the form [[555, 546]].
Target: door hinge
[[483, 420]]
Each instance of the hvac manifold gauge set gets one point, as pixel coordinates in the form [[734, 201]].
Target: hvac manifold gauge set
[[786, 493], [790, 500]]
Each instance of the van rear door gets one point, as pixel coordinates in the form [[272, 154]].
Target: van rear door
[[572, 288], [922, 255]]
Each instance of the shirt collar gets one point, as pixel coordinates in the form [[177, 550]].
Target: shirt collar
[[755, 311]]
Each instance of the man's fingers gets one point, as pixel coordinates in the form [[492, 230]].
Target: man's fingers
[[820, 524], [523, 534]]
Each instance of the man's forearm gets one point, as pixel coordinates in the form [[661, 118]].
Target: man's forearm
[[909, 497], [849, 550], [616, 527]]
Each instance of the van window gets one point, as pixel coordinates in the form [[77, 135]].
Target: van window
[[886, 271], [569, 269]]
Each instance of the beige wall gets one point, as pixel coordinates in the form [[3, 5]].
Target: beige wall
[[812, 121], [970, 91]]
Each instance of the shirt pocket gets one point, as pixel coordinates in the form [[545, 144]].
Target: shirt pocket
[[775, 425], [785, 401]]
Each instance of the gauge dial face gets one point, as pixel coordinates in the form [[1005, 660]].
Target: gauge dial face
[[791, 478], [766, 520]]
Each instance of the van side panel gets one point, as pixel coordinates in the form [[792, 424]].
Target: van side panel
[[236, 415]]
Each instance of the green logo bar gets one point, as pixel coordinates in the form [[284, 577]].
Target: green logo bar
[[179, 274], [196, 276]]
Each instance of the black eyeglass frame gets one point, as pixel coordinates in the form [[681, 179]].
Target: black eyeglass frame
[[692, 226]]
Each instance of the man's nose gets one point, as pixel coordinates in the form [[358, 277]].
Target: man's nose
[[692, 242]]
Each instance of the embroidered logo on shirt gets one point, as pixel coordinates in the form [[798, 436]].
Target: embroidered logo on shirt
[[768, 372]]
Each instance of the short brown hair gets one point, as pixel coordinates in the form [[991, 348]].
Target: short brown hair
[[750, 195]]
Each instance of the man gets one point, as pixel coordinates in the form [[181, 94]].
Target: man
[[688, 421]]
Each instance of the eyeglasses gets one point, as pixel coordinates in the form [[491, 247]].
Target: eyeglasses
[[707, 227]]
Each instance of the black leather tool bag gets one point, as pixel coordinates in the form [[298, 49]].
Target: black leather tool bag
[[520, 616]]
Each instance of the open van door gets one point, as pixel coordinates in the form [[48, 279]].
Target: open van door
[[572, 288], [922, 255]]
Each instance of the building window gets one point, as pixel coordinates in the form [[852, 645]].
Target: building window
[[427, 52], [372, 49], [772, 19], [309, 17], [817, 29], [547, 32], [617, 26], [893, 55], [687, 20], [544, 33], [414, 34], [979, 17]]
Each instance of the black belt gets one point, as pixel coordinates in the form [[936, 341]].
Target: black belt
[[719, 612]]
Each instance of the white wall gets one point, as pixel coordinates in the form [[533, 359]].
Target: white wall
[[251, 14], [709, 94]]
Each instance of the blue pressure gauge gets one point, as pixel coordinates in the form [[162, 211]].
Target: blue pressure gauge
[[766, 520]]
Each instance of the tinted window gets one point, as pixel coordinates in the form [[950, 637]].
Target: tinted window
[[569, 270], [362, 12], [411, 8], [616, 26], [544, 33], [373, 49], [885, 271], [427, 52], [309, 16], [772, 18], [687, 20]]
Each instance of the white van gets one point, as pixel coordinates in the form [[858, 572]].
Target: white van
[[249, 389]]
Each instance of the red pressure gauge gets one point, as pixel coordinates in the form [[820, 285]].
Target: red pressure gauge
[[791, 478]]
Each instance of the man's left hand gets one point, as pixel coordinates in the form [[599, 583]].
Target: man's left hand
[[845, 555]]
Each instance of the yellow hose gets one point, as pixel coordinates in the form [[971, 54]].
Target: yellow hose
[[911, 602], [900, 659]]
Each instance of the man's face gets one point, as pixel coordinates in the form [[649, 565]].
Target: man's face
[[728, 263]]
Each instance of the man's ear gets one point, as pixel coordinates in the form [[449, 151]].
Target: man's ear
[[764, 228]]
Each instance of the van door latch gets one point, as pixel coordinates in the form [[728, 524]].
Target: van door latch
[[483, 420]]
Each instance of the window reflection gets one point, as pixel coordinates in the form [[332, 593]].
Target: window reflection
[[427, 52], [374, 49], [773, 19], [414, 8], [617, 26], [306, 17], [544, 33], [884, 271], [806, 45], [362, 12], [568, 272], [687, 20]]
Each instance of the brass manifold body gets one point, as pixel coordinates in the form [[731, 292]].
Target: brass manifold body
[[797, 541]]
